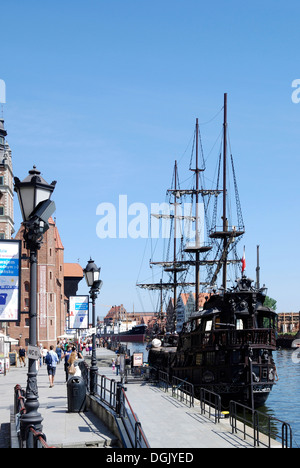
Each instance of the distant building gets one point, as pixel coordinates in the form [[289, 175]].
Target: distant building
[[115, 314], [186, 307], [288, 322], [121, 320]]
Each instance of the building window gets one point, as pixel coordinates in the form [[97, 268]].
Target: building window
[[2, 235], [1, 180], [1, 210], [27, 286]]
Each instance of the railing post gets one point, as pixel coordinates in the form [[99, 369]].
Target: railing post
[[119, 398]]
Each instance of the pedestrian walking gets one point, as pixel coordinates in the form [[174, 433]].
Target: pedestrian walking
[[44, 354], [66, 358], [51, 361], [118, 359], [41, 354], [22, 355], [58, 352]]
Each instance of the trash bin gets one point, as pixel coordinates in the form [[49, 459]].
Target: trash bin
[[76, 394]]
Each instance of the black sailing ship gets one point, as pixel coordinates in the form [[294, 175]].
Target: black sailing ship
[[226, 347]]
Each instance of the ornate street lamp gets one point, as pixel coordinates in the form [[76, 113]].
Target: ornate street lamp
[[36, 208], [92, 276]]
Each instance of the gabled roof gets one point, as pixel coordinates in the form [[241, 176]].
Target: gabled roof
[[58, 242], [73, 270]]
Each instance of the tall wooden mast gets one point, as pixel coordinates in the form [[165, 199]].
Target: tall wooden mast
[[225, 221]]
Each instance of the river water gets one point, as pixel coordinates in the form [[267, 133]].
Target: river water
[[284, 400]]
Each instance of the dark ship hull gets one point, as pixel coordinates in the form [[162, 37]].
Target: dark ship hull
[[136, 335], [226, 348]]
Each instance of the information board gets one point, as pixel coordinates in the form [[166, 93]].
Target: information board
[[78, 312], [137, 359], [10, 275]]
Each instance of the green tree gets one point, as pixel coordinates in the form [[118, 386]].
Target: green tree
[[269, 302]]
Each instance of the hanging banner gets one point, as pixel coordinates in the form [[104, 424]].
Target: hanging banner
[[10, 276], [79, 312]]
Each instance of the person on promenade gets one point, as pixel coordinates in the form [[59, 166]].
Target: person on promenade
[[66, 358], [73, 367], [51, 361], [22, 355], [58, 352], [44, 354], [118, 359]]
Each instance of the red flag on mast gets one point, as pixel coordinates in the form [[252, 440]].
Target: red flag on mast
[[244, 262]]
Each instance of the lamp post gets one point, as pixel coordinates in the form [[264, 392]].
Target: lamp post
[[36, 208], [92, 276]]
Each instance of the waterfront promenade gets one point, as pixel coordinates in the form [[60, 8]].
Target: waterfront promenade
[[166, 422]]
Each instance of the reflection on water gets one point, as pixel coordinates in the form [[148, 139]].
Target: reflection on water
[[284, 402]]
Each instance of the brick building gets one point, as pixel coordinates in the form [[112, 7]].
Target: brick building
[[118, 314], [52, 300], [6, 187], [288, 322], [51, 306]]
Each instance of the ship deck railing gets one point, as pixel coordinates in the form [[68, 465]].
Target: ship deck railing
[[231, 338]]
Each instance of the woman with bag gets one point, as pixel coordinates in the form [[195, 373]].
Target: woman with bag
[[73, 367]]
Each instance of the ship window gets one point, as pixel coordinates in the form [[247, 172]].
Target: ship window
[[195, 324], [208, 325], [210, 358], [239, 324], [199, 359], [267, 321]]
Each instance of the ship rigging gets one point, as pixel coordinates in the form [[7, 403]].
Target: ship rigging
[[227, 346]]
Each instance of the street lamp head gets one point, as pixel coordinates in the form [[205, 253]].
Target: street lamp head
[[92, 275], [31, 191]]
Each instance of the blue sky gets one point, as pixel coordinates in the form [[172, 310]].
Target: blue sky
[[103, 95]]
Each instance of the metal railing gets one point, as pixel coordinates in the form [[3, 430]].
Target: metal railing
[[112, 393], [31, 438], [212, 401], [131, 423], [183, 391], [107, 391], [163, 380], [255, 423]]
